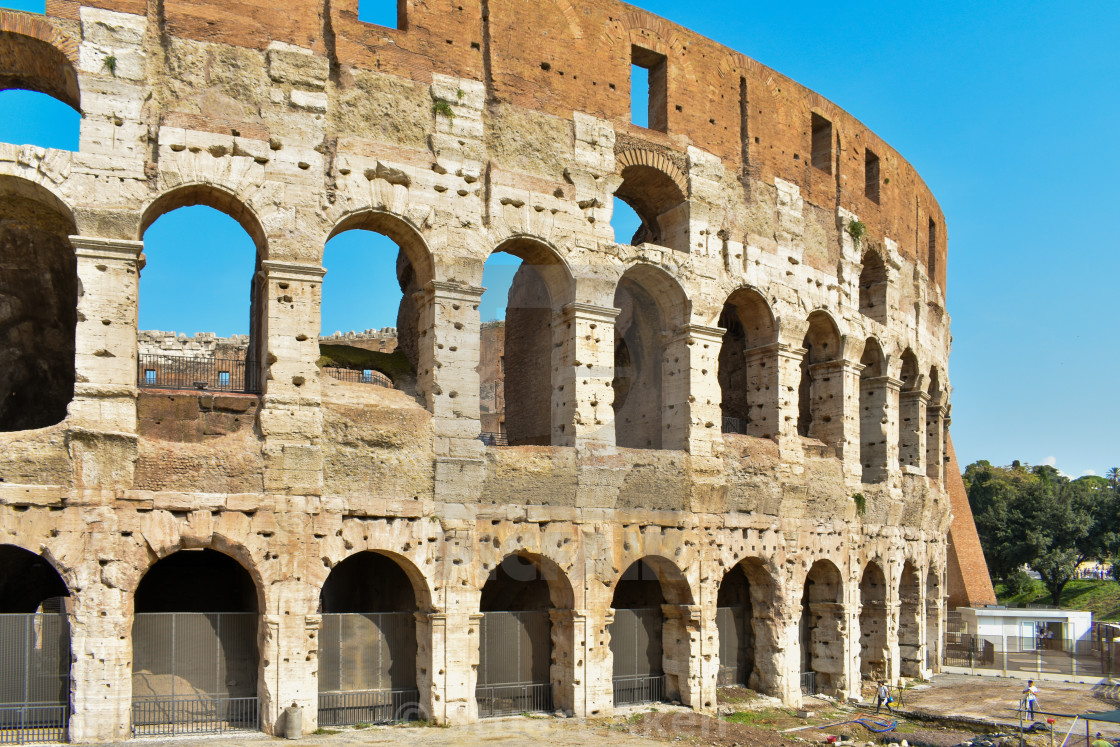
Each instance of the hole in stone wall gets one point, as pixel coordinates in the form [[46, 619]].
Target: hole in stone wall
[[651, 197], [822, 143], [385, 13], [649, 95], [931, 260], [871, 175], [873, 287]]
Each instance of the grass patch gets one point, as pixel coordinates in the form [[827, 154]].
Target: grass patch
[[325, 732], [394, 365], [756, 718], [1102, 598]]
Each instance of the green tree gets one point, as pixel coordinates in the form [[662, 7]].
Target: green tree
[[1114, 477]]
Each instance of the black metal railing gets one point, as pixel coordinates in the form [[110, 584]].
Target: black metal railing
[[735, 425], [193, 715], [809, 683], [28, 723], [732, 676], [634, 690], [369, 707], [513, 699], [494, 439], [365, 376], [200, 373], [1034, 654]]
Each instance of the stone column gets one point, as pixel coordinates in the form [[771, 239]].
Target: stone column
[[101, 669], [874, 419], [892, 392], [566, 672], [599, 664], [912, 431], [454, 666], [690, 395], [290, 418], [763, 391], [935, 446], [681, 655], [425, 674], [789, 379], [583, 370], [102, 415], [828, 409], [850, 420], [289, 665]]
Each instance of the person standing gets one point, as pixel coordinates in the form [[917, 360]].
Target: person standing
[[1030, 699], [883, 697]]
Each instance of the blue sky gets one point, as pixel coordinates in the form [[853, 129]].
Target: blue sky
[[1006, 110]]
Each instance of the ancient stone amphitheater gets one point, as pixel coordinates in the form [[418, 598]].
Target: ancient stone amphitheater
[[728, 437]]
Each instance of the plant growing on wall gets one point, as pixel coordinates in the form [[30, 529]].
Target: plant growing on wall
[[111, 63], [442, 107], [861, 504], [856, 230]]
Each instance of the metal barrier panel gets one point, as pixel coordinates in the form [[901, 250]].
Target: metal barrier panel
[[197, 372], [514, 663], [636, 646], [34, 677], [194, 672], [367, 668], [809, 683], [731, 622]]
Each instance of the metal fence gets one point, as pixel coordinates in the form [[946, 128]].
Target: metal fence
[[194, 672], [34, 677], [494, 439], [636, 646], [197, 372], [1029, 655], [367, 669], [809, 683], [354, 376], [732, 622], [735, 425], [514, 662]]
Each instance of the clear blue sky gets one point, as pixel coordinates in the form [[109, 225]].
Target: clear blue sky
[[1007, 110]]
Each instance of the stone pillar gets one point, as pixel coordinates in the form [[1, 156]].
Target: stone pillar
[[789, 379], [290, 418], [850, 420], [912, 431], [289, 664], [690, 387], [874, 419], [892, 389], [935, 445], [599, 664], [102, 415], [763, 391], [449, 337], [826, 390], [425, 675], [681, 655], [583, 369], [101, 670], [566, 672], [454, 666]]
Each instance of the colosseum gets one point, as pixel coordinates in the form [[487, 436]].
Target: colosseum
[[724, 457]]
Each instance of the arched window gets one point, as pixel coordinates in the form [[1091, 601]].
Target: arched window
[[38, 306], [38, 80], [202, 299], [874, 413], [748, 366], [657, 197], [873, 287], [819, 394], [528, 285], [652, 306]]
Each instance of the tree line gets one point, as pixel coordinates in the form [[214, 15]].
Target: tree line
[[1038, 518]]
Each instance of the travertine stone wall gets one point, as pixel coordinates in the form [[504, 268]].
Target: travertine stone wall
[[460, 134]]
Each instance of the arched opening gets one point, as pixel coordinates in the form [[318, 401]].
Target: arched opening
[[873, 413], [368, 664], [745, 619], [522, 639], [909, 621], [40, 82], [201, 329], [935, 424], [910, 419], [381, 261], [194, 646], [748, 366], [34, 649], [873, 287], [648, 645], [658, 202], [874, 654], [821, 631], [819, 394], [519, 357], [648, 413], [933, 621], [38, 306]]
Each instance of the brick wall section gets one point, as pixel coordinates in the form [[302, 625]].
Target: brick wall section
[[969, 582]]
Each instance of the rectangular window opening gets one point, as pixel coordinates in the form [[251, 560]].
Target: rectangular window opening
[[649, 89], [871, 175], [822, 143], [387, 13], [744, 132], [223, 378], [149, 376], [931, 263]]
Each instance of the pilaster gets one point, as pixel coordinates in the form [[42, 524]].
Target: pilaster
[[583, 369]]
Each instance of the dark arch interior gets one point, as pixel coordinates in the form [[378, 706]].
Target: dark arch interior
[[516, 585], [38, 310], [873, 288], [734, 618], [873, 622], [368, 582], [638, 588], [732, 370], [637, 372], [196, 581], [26, 581], [651, 193]]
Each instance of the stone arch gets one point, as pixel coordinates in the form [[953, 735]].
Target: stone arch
[[671, 579], [822, 629], [39, 292], [748, 363], [873, 622], [657, 190], [746, 614], [36, 56], [418, 589], [873, 281], [217, 543], [652, 306], [532, 356], [909, 620], [874, 412], [28, 579], [820, 404]]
